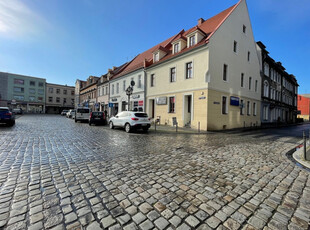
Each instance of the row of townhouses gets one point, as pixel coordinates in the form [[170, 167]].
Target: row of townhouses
[[34, 95], [213, 76]]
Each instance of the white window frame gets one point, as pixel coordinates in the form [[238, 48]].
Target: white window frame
[[175, 74], [192, 70]]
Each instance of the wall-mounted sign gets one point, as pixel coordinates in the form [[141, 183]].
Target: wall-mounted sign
[[234, 101], [140, 103], [216, 103], [161, 100], [114, 99], [135, 96], [110, 105], [201, 98]]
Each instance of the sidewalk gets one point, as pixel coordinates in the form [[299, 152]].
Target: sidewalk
[[172, 129], [299, 157]]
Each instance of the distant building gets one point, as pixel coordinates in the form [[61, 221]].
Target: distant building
[[279, 90], [88, 93], [59, 97], [103, 93], [78, 86], [25, 92], [304, 106]]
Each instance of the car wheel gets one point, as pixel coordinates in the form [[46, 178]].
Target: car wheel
[[127, 128], [75, 120], [89, 123], [111, 125], [145, 129]]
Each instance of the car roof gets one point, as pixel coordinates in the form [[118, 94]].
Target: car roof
[[4, 107]]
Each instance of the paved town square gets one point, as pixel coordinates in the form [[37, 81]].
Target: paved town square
[[58, 174]]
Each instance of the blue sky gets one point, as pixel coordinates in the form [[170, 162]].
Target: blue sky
[[67, 40]]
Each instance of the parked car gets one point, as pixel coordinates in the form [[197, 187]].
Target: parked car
[[130, 121], [70, 113], [17, 111], [82, 114], [6, 116], [64, 112], [97, 118]]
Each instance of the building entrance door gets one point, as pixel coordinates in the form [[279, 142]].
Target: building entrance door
[[187, 110]]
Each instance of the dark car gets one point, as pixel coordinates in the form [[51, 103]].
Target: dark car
[[97, 118], [6, 116]]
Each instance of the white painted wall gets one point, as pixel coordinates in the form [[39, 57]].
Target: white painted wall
[[221, 52]]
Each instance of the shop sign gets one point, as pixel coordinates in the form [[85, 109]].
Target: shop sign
[[110, 105], [161, 100], [135, 96], [140, 103], [234, 101], [114, 99]]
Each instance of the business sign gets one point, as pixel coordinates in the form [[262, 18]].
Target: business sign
[[110, 105], [114, 99], [140, 103], [234, 101], [161, 100], [135, 96]]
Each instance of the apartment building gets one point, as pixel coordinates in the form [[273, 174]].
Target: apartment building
[[303, 106], [279, 90], [59, 97], [24, 92], [208, 76], [88, 93], [103, 93]]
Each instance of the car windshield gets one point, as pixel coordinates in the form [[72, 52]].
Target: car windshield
[[97, 113], [83, 110], [141, 115]]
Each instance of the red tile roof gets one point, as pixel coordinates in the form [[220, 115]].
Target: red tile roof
[[208, 27]]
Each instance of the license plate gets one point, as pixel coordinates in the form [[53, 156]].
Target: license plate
[[97, 118], [144, 124]]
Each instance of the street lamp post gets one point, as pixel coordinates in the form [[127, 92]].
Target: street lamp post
[[129, 91]]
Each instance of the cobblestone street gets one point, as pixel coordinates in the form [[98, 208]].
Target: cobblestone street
[[58, 174]]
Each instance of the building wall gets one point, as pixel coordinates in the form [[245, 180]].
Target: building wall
[[62, 97], [221, 52], [32, 98], [120, 98], [3, 89], [103, 96], [182, 89], [303, 107]]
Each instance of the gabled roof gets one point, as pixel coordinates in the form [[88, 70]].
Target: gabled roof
[[207, 27]]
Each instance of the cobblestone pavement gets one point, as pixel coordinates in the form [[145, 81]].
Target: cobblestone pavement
[[57, 174]]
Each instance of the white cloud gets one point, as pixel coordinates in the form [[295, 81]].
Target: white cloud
[[18, 20]]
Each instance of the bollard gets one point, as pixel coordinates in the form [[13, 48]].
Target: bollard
[[198, 126], [155, 125], [176, 127], [305, 144]]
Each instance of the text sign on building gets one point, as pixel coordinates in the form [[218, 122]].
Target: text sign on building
[[161, 100], [234, 101], [140, 103], [110, 105]]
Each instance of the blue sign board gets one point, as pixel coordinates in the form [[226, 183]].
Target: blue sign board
[[110, 105], [234, 101]]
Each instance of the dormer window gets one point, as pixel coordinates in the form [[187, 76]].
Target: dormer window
[[156, 57], [192, 40], [176, 48]]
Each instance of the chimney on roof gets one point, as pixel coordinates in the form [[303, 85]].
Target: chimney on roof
[[114, 68], [200, 21]]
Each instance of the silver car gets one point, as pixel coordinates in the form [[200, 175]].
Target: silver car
[[130, 121]]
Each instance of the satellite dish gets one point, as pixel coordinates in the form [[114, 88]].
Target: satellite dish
[[132, 83]]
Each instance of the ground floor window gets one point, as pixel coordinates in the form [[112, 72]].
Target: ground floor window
[[241, 107], [248, 108], [265, 112], [171, 104], [254, 108], [224, 105]]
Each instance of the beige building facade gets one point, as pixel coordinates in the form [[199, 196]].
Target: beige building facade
[[58, 98], [208, 77]]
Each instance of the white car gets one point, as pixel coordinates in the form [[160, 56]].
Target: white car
[[130, 121], [82, 114]]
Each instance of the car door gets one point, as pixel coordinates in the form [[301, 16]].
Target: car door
[[117, 119]]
